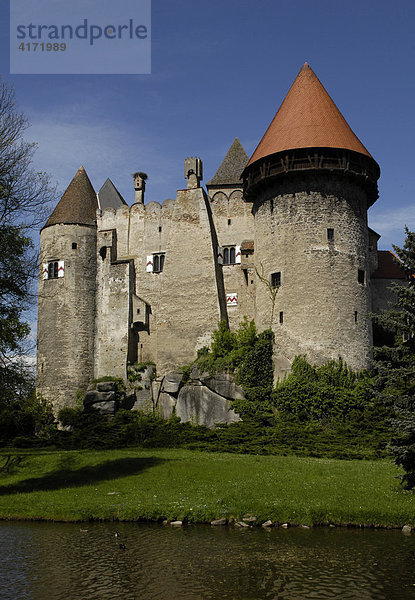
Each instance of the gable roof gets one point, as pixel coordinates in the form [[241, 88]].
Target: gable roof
[[79, 203], [230, 169], [307, 118], [109, 196], [388, 266]]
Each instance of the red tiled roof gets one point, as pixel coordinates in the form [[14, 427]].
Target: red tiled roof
[[388, 268], [307, 118]]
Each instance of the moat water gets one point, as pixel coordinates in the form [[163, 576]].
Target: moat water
[[51, 561]]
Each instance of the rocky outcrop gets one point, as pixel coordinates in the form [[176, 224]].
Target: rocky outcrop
[[203, 400], [107, 398]]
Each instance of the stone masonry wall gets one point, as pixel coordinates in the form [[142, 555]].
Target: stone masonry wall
[[184, 302], [234, 223], [66, 313], [324, 307]]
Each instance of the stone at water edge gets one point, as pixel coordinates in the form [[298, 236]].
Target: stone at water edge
[[241, 524], [249, 519], [406, 529], [176, 523], [217, 522], [267, 524]]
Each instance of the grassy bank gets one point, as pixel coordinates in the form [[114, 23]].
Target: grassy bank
[[132, 484]]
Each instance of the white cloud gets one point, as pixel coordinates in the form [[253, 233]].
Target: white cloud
[[390, 224], [105, 149]]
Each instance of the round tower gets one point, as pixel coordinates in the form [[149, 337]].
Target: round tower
[[66, 311], [311, 182]]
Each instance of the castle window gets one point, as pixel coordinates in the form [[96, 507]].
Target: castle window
[[231, 255], [330, 234], [275, 279], [355, 316], [158, 262], [361, 276], [53, 269], [160, 229], [229, 221], [281, 317], [74, 245]]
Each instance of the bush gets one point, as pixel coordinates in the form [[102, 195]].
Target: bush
[[322, 393]]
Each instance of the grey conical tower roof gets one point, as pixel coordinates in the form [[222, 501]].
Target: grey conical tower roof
[[79, 203], [109, 196], [229, 172]]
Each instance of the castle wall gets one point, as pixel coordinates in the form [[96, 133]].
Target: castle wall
[[66, 313], [234, 223], [192, 299], [323, 305], [179, 306], [112, 330]]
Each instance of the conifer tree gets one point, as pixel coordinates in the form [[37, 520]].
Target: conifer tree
[[395, 365]]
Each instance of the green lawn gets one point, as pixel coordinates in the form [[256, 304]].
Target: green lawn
[[131, 484]]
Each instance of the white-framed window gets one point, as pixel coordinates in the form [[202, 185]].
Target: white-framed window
[[231, 255], [155, 262], [54, 269]]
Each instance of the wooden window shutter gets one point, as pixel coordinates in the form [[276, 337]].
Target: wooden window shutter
[[149, 264], [61, 268]]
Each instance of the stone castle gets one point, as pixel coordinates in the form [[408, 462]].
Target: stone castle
[[121, 284]]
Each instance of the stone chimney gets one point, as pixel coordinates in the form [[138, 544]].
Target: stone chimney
[[193, 172], [139, 186]]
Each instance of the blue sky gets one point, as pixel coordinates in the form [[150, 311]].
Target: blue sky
[[220, 69]]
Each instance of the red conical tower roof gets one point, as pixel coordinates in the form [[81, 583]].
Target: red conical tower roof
[[307, 118], [79, 203]]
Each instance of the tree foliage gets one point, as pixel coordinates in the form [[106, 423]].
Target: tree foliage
[[24, 196], [248, 356], [395, 365]]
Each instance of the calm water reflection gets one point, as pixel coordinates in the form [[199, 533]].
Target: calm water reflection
[[42, 561]]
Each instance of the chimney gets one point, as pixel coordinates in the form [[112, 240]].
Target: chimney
[[139, 186]]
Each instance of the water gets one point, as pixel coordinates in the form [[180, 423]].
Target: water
[[53, 561]]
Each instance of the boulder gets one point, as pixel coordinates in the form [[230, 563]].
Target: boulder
[[165, 405], [144, 400], [171, 382], [107, 386], [107, 408], [200, 405], [224, 385], [96, 397]]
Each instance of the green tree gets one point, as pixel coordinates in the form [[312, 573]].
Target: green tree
[[24, 196], [395, 365]]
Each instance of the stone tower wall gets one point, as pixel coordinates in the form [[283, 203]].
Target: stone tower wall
[[66, 313], [323, 305]]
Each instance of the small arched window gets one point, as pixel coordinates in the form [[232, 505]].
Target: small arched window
[[232, 255], [158, 262], [226, 256]]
